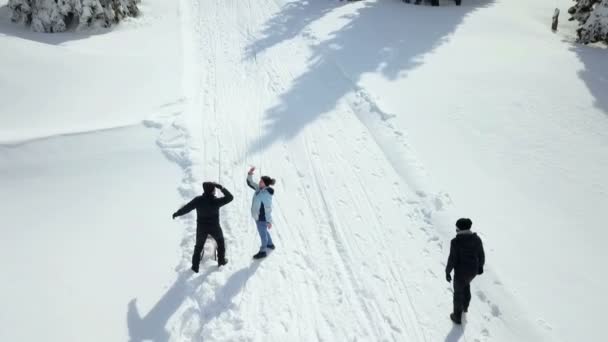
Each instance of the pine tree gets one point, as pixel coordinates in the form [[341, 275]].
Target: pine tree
[[58, 15], [592, 16]]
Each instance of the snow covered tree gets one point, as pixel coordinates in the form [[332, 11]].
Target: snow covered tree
[[592, 16], [58, 15]]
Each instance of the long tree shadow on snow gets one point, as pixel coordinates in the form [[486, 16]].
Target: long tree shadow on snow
[[388, 37], [595, 74], [293, 19], [151, 327]]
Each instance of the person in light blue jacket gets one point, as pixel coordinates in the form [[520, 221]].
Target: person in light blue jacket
[[261, 210]]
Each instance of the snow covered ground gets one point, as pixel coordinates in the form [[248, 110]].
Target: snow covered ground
[[382, 122], [86, 194]]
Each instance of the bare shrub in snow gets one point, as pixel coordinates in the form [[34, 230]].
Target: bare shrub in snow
[[58, 15], [592, 16]]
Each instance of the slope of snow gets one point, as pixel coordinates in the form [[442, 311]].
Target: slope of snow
[[382, 122], [81, 237], [86, 193], [73, 82]]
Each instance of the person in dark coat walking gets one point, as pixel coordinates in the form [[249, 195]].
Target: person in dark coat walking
[[466, 259], [207, 221]]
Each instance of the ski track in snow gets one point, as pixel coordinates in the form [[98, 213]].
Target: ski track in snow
[[342, 265]]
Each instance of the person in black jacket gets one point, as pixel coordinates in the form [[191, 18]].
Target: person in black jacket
[[207, 221], [466, 259]]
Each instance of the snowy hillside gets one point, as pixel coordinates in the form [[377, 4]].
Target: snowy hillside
[[382, 122]]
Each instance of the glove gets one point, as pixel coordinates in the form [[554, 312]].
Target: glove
[[480, 270], [448, 277], [174, 216], [219, 186]]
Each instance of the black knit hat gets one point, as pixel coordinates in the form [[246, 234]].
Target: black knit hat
[[209, 187], [464, 224], [267, 180]]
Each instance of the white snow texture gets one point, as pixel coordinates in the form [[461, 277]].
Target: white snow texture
[[382, 123]]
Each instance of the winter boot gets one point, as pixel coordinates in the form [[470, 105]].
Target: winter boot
[[455, 319], [271, 246], [260, 255], [194, 268], [222, 262]]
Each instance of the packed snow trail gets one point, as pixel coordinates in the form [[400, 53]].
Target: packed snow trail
[[358, 257]]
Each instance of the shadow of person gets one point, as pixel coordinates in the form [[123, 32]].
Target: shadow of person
[[455, 334], [225, 294], [152, 325]]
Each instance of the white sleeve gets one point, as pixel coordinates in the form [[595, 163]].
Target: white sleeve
[[251, 183]]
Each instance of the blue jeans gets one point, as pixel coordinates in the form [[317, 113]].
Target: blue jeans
[[265, 238]]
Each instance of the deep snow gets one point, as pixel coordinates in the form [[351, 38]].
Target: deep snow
[[85, 190], [382, 122]]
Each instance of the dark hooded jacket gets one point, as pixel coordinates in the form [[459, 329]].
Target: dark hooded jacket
[[467, 256], [207, 208]]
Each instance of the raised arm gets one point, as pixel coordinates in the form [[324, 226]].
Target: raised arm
[[227, 196], [251, 183]]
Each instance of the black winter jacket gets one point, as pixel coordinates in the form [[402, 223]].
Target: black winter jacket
[[466, 255], [207, 208]]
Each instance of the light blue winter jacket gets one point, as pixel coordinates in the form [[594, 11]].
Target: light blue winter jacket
[[261, 204]]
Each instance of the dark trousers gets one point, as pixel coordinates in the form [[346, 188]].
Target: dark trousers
[[201, 237], [462, 293]]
